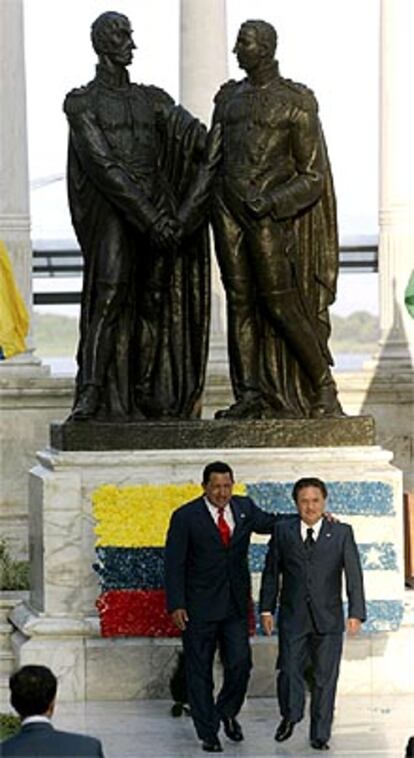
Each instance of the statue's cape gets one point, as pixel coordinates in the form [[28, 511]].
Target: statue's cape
[[186, 314], [316, 270], [178, 378]]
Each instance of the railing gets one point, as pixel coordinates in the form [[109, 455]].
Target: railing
[[57, 263], [362, 258]]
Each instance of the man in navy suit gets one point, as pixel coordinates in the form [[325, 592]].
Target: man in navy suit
[[33, 695], [208, 594], [311, 555]]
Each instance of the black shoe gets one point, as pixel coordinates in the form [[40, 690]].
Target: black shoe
[[319, 745], [212, 746], [284, 730], [232, 729]]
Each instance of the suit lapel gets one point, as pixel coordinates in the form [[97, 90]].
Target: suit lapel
[[297, 536], [239, 517], [209, 527], [325, 535]]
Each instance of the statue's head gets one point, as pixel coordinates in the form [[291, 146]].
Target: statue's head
[[256, 42], [111, 35]]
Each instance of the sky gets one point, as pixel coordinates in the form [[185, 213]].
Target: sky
[[330, 45]]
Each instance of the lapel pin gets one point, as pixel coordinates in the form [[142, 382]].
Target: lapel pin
[[242, 515]]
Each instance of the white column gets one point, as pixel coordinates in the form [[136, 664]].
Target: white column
[[203, 68], [396, 213], [203, 54], [14, 177]]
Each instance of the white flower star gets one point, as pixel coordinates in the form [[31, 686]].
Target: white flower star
[[373, 556]]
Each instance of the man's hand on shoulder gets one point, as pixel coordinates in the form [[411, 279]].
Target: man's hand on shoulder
[[180, 618], [267, 622], [332, 519]]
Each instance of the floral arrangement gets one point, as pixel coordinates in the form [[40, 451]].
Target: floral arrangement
[[131, 529]]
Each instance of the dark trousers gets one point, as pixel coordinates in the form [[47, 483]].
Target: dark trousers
[[256, 263], [324, 652], [200, 641]]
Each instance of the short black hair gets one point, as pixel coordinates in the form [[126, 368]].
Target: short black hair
[[32, 688], [217, 467], [308, 481]]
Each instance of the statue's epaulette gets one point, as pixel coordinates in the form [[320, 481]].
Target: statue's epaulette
[[159, 97], [225, 91], [304, 93], [77, 100]]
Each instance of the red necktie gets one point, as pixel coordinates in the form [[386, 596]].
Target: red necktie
[[223, 528]]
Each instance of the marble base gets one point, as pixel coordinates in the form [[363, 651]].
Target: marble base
[[93, 668], [389, 398], [23, 366], [60, 626], [386, 395], [28, 404]]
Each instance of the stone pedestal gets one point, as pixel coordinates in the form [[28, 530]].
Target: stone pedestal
[[226, 434], [59, 625], [27, 407], [389, 398], [386, 396]]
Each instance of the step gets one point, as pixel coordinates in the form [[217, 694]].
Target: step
[[5, 706], [8, 600], [6, 663], [6, 630]]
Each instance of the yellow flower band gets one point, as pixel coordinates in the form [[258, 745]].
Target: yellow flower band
[[139, 516]]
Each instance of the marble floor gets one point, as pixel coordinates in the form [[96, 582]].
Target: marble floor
[[364, 726]]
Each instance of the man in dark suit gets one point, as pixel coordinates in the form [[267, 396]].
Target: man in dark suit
[[311, 555], [208, 594], [33, 695], [409, 750]]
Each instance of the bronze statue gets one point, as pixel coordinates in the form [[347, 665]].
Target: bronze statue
[[274, 221], [139, 175]]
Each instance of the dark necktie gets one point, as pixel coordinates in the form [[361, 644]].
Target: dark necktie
[[309, 541], [223, 528]]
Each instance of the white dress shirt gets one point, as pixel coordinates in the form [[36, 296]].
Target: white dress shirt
[[316, 529], [227, 513]]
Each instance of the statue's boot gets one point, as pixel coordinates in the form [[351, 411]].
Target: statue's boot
[[249, 406], [87, 404], [293, 323], [326, 403]]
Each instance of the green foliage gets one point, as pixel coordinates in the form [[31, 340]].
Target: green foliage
[[14, 575], [358, 332], [55, 335], [9, 725], [58, 335]]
